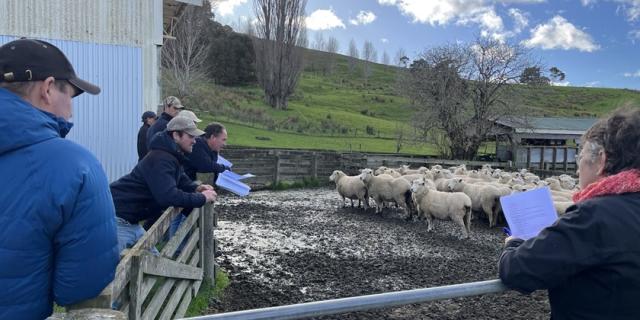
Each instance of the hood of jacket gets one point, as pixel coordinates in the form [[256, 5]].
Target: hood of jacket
[[163, 141], [23, 125]]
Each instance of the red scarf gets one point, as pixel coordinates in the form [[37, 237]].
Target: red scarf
[[622, 182]]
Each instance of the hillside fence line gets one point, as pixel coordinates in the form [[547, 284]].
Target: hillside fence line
[[272, 166]]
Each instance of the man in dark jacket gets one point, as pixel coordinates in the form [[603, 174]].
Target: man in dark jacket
[[171, 108], [58, 235], [204, 158], [158, 182], [148, 118]]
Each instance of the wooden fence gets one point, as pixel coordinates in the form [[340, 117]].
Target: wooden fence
[[148, 286], [283, 165]]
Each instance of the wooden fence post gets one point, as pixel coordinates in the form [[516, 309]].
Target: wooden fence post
[[314, 165], [276, 172], [208, 243], [135, 288]]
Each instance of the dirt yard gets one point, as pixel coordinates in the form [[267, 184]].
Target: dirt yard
[[290, 247]]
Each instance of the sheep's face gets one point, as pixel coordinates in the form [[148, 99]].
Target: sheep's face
[[454, 184], [417, 185], [380, 170], [366, 174], [334, 175]]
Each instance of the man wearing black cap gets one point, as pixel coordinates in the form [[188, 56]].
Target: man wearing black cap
[[158, 182], [57, 226], [148, 118]]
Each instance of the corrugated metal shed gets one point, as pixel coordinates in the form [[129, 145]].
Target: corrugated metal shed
[[544, 125], [113, 43]]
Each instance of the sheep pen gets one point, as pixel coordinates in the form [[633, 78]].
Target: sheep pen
[[287, 247]]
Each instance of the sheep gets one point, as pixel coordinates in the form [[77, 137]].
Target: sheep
[[562, 206], [461, 170], [404, 170], [387, 189], [484, 198], [351, 188], [442, 205]]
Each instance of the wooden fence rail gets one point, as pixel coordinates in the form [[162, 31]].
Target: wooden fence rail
[[161, 286]]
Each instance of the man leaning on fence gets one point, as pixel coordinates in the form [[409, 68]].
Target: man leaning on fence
[[158, 182], [57, 235]]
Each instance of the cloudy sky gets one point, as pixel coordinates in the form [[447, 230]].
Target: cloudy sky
[[595, 42]]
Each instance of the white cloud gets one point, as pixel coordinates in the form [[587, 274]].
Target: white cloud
[[464, 12], [561, 84], [323, 20], [437, 12], [634, 35], [588, 2], [364, 17], [559, 33], [520, 20], [384, 40], [592, 84], [226, 7], [632, 74], [631, 9]]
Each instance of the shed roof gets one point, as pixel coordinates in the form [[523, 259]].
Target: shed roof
[[571, 126]]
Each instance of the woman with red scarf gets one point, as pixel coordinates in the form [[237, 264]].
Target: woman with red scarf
[[589, 259]]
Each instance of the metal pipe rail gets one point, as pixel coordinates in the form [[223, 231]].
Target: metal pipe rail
[[360, 303]]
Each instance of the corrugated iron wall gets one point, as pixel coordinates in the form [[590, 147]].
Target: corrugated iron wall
[[114, 43], [106, 124]]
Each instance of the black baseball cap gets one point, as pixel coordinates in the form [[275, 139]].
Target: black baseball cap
[[35, 60], [148, 114]]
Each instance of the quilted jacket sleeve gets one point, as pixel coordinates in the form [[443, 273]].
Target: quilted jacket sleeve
[[85, 246]]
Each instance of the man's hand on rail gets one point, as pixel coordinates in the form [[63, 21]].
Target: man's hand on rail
[[210, 195], [204, 187]]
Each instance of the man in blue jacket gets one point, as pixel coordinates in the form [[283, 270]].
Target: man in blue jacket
[[57, 224], [158, 182]]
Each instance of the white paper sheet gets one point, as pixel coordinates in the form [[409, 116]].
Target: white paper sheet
[[223, 161], [226, 181], [529, 212]]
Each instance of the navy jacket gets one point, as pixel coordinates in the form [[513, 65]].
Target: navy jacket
[[57, 225], [202, 159], [156, 183], [142, 141], [589, 260], [158, 126]]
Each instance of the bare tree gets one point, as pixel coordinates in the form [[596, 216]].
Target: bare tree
[[318, 42], [332, 48], [459, 91], [354, 55], [278, 59], [385, 58], [398, 58], [368, 54], [183, 57]]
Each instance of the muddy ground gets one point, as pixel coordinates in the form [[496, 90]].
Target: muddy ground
[[297, 246]]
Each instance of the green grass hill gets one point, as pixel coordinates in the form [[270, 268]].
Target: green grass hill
[[338, 109]]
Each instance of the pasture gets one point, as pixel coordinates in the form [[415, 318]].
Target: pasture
[[287, 247]]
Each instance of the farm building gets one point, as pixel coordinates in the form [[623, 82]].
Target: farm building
[[113, 43], [540, 142]]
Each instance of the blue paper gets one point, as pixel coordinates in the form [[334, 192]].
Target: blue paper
[[226, 181], [529, 212], [223, 161]]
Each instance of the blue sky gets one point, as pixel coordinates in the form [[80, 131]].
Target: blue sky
[[595, 42]]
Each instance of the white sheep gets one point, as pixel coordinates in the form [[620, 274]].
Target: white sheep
[[442, 205], [387, 189], [350, 187], [484, 198]]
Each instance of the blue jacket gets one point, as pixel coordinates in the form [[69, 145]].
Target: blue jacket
[[204, 160], [57, 226], [155, 183]]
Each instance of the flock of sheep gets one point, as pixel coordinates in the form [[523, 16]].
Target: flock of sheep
[[447, 194]]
